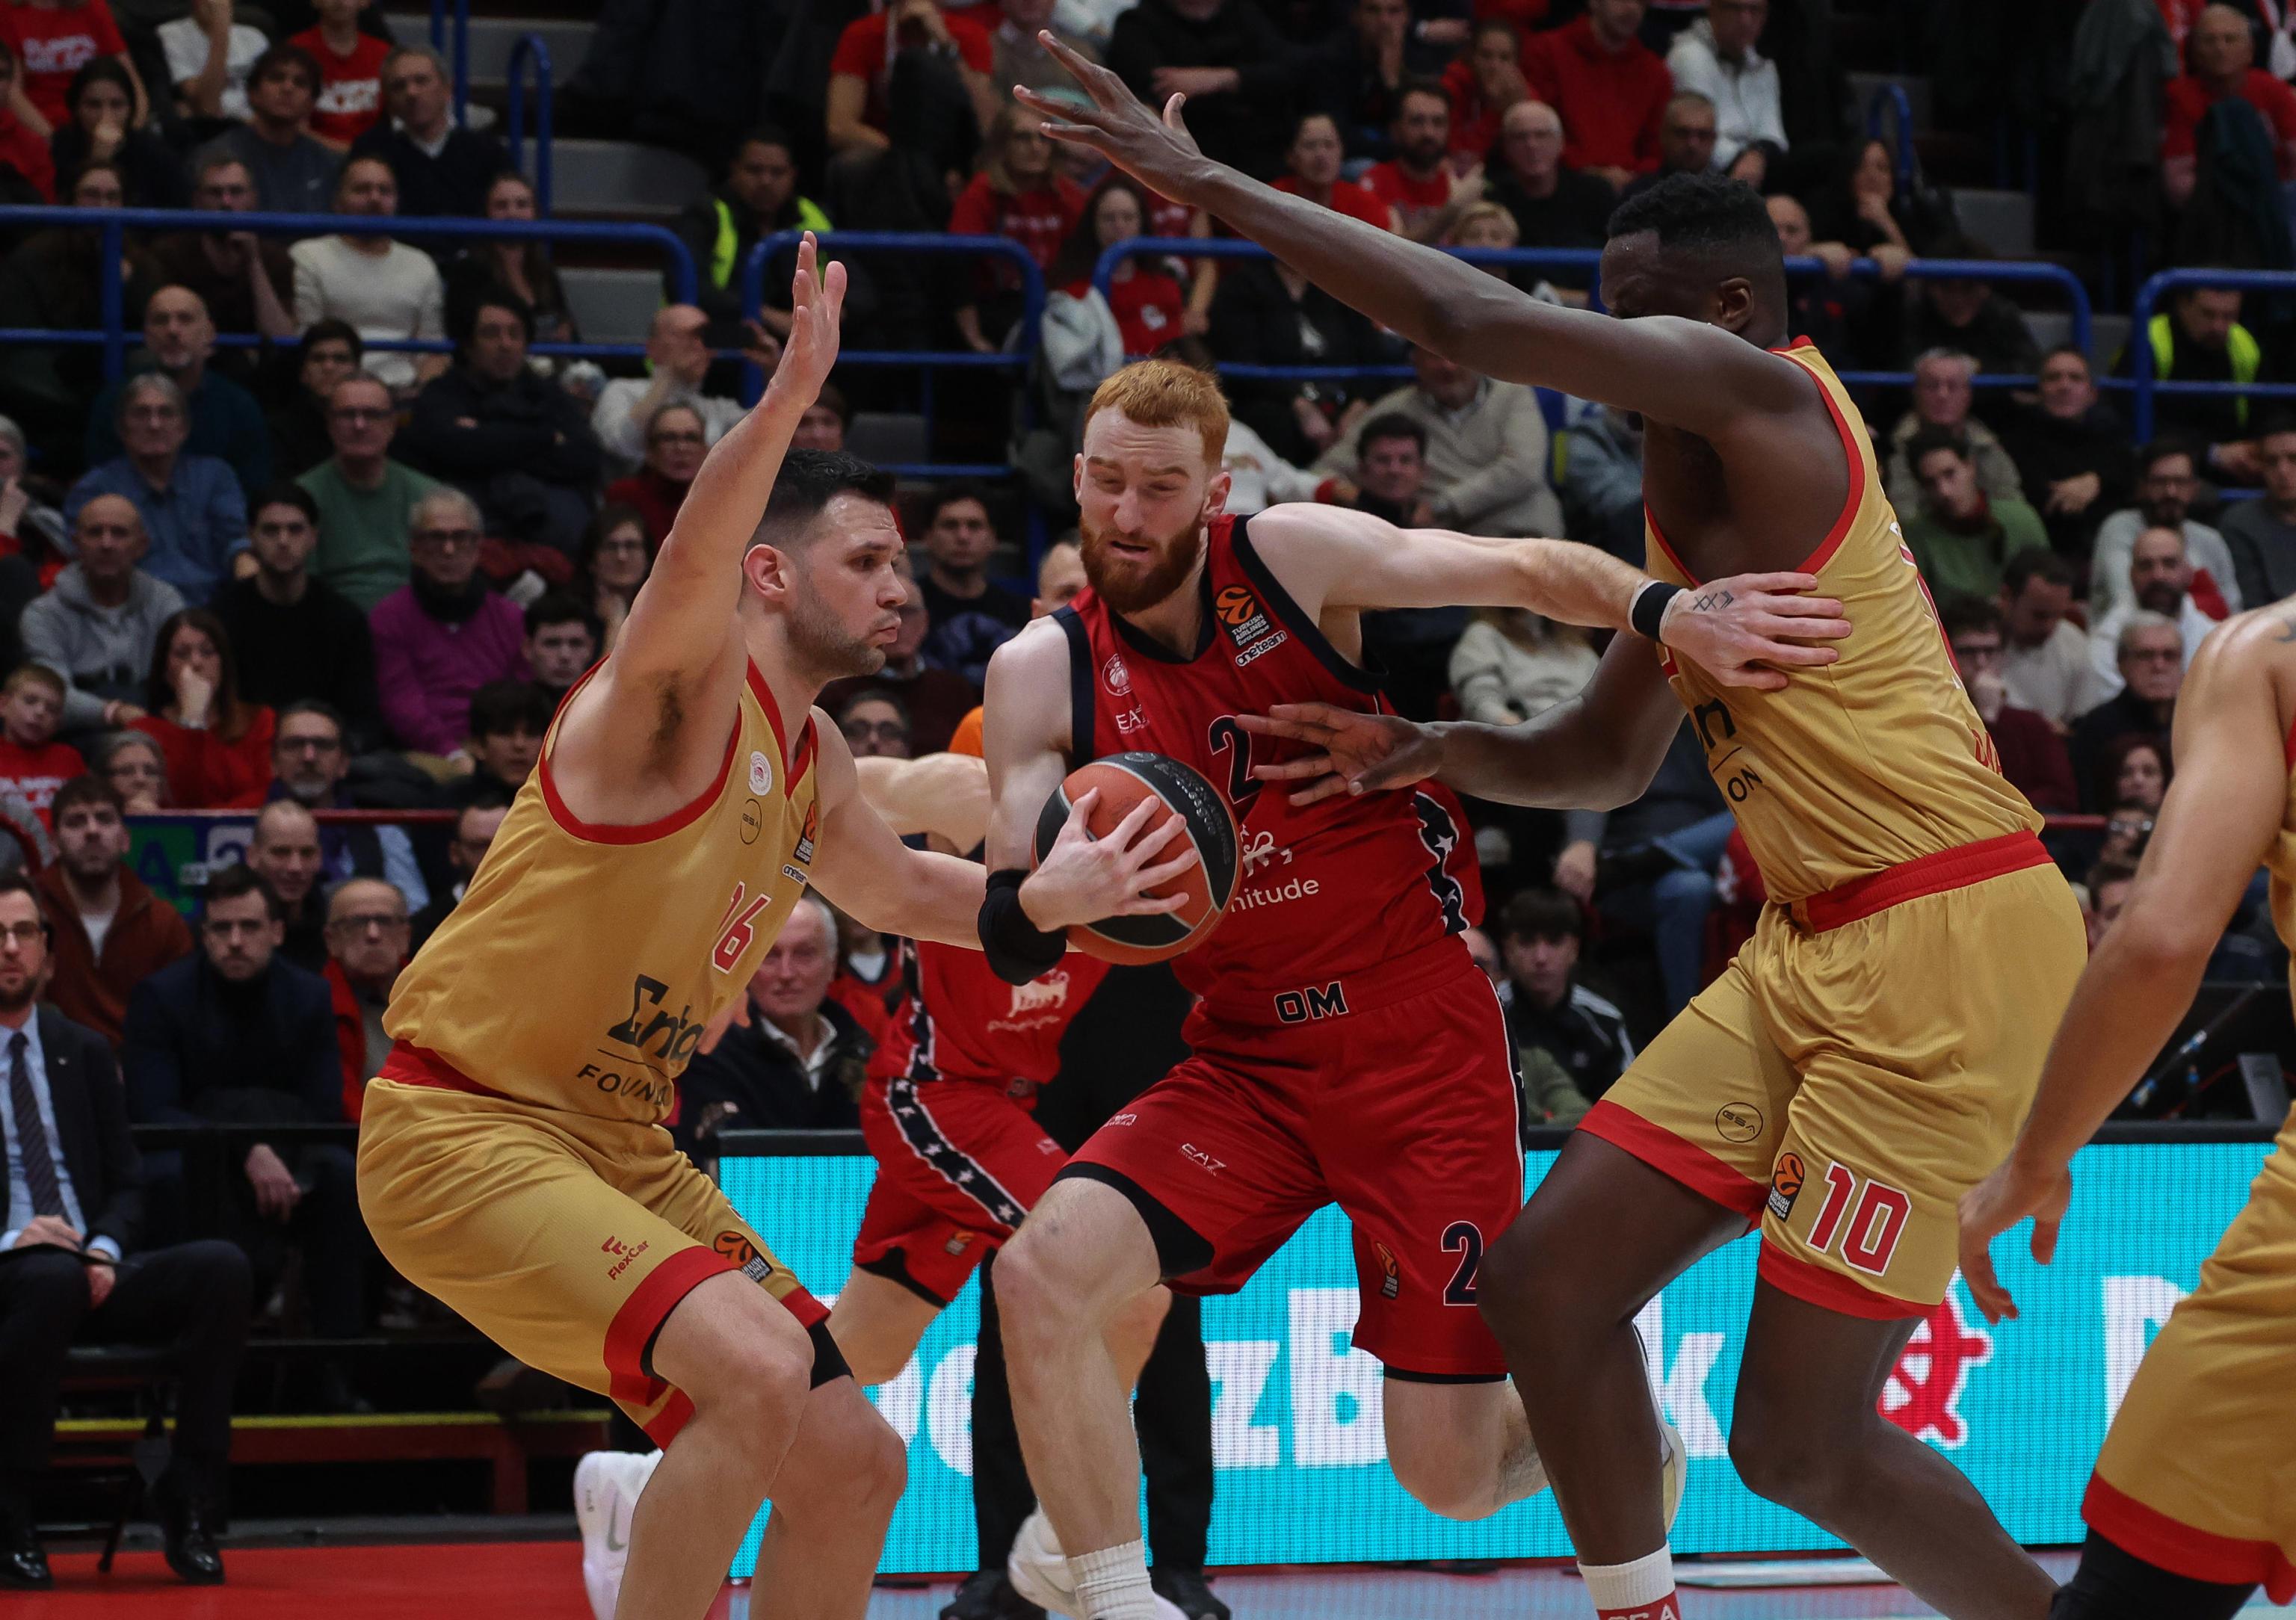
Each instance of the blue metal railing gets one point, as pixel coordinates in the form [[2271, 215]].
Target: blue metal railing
[[924, 361], [459, 57], [2143, 386], [1588, 260], [531, 49], [114, 224], [1890, 98]]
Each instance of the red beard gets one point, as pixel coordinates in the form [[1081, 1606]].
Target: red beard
[[1128, 585]]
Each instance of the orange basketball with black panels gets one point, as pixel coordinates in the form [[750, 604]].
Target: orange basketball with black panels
[[1124, 781]]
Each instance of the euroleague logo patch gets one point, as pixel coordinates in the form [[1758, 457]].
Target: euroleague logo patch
[[1785, 1184], [1393, 1285], [1115, 676], [1239, 613], [735, 1247], [805, 834]]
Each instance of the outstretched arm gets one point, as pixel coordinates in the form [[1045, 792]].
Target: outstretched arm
[[868, 873], [1594, 752], [649, 731], [2219, 819], [1683, 373], [945, 796], [1744, 630]]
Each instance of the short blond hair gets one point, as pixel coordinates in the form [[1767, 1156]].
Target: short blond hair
[[1167, 394]]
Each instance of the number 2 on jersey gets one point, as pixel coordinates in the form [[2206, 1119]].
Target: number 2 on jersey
[[1227, 737]]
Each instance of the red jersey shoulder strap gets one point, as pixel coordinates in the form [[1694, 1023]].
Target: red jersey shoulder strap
[[1083, 707], [1238, 570]]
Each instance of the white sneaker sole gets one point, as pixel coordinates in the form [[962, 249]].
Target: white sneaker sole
[[1672, 1472], [1039, 1570]]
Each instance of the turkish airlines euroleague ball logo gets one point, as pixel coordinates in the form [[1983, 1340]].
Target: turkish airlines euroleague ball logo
[[1235, 607], [735, 1247], [1785, 1184]]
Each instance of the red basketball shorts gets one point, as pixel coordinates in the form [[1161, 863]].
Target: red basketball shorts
[[959, 1164], [1393, 1096]]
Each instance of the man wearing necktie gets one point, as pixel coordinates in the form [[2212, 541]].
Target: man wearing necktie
[[69, 1268]]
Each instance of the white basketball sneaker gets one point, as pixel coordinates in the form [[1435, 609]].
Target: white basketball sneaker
[[1672, 1471], [1040, 1572], [606, 1489]]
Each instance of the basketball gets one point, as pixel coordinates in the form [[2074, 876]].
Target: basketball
[[1124, 779]]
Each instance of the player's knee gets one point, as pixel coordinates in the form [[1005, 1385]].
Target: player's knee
[[755, 1382], [881, 1469], [1782, 1461], [1523, 1285], [1441, 1481], [1043, 1290]]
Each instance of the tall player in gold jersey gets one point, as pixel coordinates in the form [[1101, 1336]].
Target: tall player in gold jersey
[[2194, 1502], [512, 1159], [1867, 1058]]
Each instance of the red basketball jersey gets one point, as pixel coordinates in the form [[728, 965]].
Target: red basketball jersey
[[1327, 891], [962, 1022]]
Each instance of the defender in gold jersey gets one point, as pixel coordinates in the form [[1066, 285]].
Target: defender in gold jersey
[[2194, 1503], [511, 1157], [1867, 1056]]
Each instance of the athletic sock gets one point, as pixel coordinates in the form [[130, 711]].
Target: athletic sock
[[1113, 1583], [1643, 1589]]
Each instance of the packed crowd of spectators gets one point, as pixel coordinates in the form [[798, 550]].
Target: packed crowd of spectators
[[287, 566]]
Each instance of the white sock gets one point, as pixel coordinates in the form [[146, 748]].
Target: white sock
[[1643, 1589], [1113, 1583]]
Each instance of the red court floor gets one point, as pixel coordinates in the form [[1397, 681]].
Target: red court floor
[[541, 1581]]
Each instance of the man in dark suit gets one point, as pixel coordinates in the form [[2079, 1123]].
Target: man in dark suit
[[234, 1034], [69, 1267]]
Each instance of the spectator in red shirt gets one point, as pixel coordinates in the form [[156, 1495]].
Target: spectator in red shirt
[[1610, 88], [1311, 170], [1482, 85], [1019, 194], [1143, 294], [55, 40], [858, 71], [218, 745], [677, 438], [350, 73], [2221, 61], [1418, 183], [23, 147], [33, 765]]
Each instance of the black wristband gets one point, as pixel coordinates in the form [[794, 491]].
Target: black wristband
[[1017, 949], [1649, 609]]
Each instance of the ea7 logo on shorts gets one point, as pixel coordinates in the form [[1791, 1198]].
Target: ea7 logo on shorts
[[1785, 1184], [1299, 1006], [1215, 1166]]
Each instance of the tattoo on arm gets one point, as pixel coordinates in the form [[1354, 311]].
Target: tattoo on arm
[[1712, 601]]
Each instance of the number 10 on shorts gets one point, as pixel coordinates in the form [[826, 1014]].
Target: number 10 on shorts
[[1868, 1218]]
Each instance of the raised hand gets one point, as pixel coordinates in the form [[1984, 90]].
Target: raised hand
[[1083, 879], [817, 302], [1992, 1207], [1355, 752], [1750, 629], [1158, 152]]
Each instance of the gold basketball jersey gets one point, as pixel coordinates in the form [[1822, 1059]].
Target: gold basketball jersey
[[1876, 759], [585, 961]]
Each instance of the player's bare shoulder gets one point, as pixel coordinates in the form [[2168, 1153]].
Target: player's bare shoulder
[[2259, 644], [1027, 691]]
